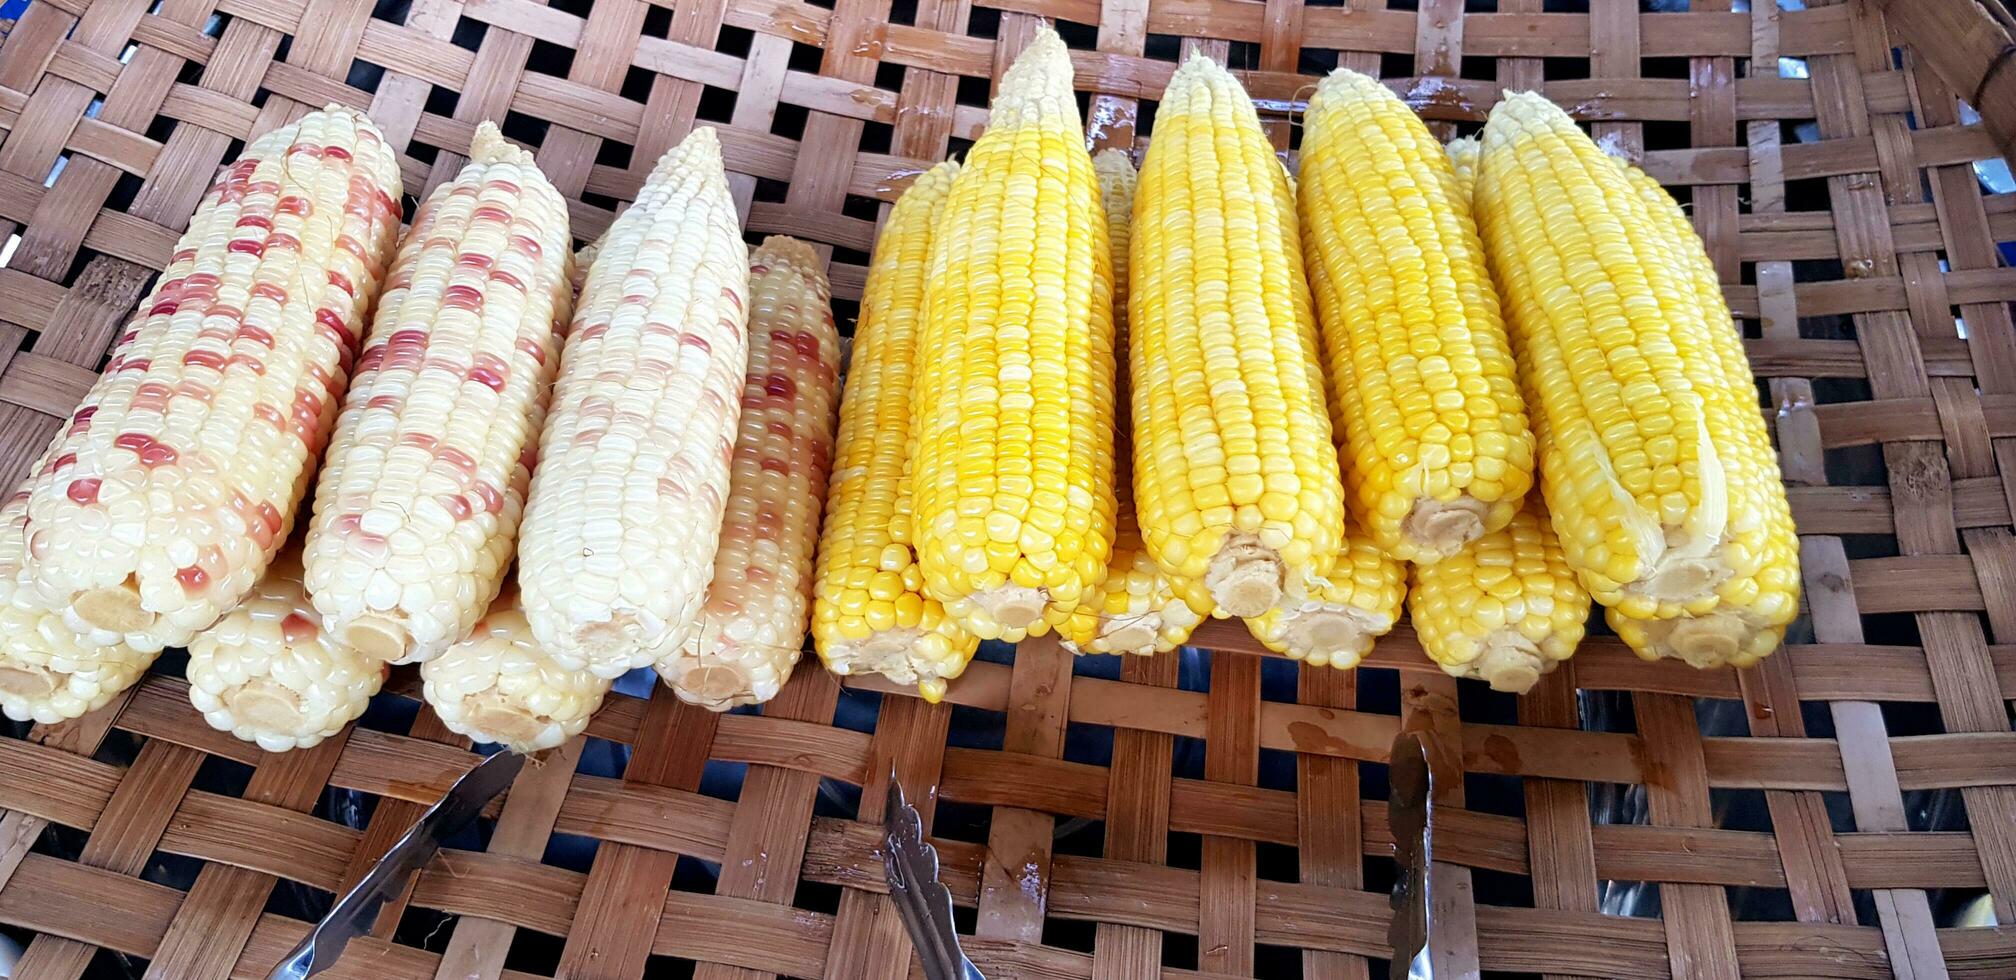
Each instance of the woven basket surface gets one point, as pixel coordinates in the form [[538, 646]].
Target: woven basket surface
[[1846, 809]]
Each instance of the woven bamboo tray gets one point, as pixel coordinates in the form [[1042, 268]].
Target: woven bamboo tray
[[1848, 809]]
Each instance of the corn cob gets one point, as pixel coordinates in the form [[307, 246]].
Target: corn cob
[[1642, 454], [47, 673], [268, 673], [1334, 619], [1427, 403], [869, 612], [1463, 154], [178, 476], [417, 507], [1013, 477], [1505, 609], [1235, 475], [625, 509], [1136, 610], [752, 627], [1749, 621], [498, 685]]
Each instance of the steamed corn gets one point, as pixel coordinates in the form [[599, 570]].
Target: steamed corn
[[1136, 609], [269, 673], [1504, 608], [419, 501], [499, 685], [1427, 404], [1013, 475], [869, 610], [1334, 619], [1235, 474], [178, 476], [625, 509], [752, 627], [1749, 621], [47, 673], [1645, 457]]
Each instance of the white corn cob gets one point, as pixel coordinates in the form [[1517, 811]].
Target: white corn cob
[[498, 686], [179, 474], [752, 627], [1335, 619], [625, 512], [47, 673], [419, 502], [268, 672]]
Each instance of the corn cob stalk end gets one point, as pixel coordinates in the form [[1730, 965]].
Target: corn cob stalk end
[[499, 686], [1245, 576], [1726, 637]]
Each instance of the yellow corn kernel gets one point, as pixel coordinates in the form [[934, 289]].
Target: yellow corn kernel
[[1013, 476], [48, 673], [869, 612], [498, 685], [1428, 411], [1504, 609], [178, 476], [625, 509], [1761, 597], [1335, 619], [1236, 477], [268, 673], [418, 504], [752, 627], [1642, 459]]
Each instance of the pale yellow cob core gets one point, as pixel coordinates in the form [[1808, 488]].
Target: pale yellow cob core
[[1641, 462], [1334, 620], [268, 673], [498, 685], [1013, 476], [625, 509], [1428, 410], [869, 610], [1136, 609], [178, 476], [48, 673], [1504, 609], [1761, 596], [1235, 474], [419, 501], [752, 627], [1464, 152]]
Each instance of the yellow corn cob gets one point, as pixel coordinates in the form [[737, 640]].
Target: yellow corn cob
[[753, 625], [1135, 610], [1504, 609], [1437, 451], [417, 507], [268, 673], [625, 511], [1463, 154], [47, 673], [1334, 619], [498, 685], [869, 612], [1642, 454], [1749, 621], [1235, 474], [1013, 477], [178, 476]]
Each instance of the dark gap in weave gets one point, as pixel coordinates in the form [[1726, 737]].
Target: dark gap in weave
[[548, 58], [1380, 873], [816, 896], [1478, 69], [658, 22], [1808, 194], [771, 191], [392, 11], [1403, 4], [1478, 704], [1179, 950], [955, 148], [789, 122], [972, 91], [1760, 903], [903, 12], [805, 58], [1088, 743], [124, 191], [1279, 679], [280, 53], [733, 41], [1084, 101], [1907, 719], [1480, 6], [1502, 889], [1395, 64], [424, 928], [1669, 135], [889, 76], [1276, 862], [977, 728], [441, 101], [876, 137], [1317, 62], [696, 875], [533, 952], [1494, 793], [1564, 69], [965, 919], [1564, 6], [636, 83], [191, 73], [849, 256], [1941, 810], [1373, 783], [1277, 962], [1277, 770], [574, 852], [1163, 47], [296, 900], [111, 963], [1665, 68], [954, 820], [1080, 836], [723, 780], [1243, 56], [578, 8], [525, 129], [985, 22], [1186, 851], [603, 201], [469, 33], [717, 105], [1076, 935], [1378, 690], [1083, 37], [845, 312], [614, 154], [668, 968], [1739, 809]]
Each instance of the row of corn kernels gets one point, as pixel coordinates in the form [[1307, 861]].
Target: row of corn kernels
[[687, 443]]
